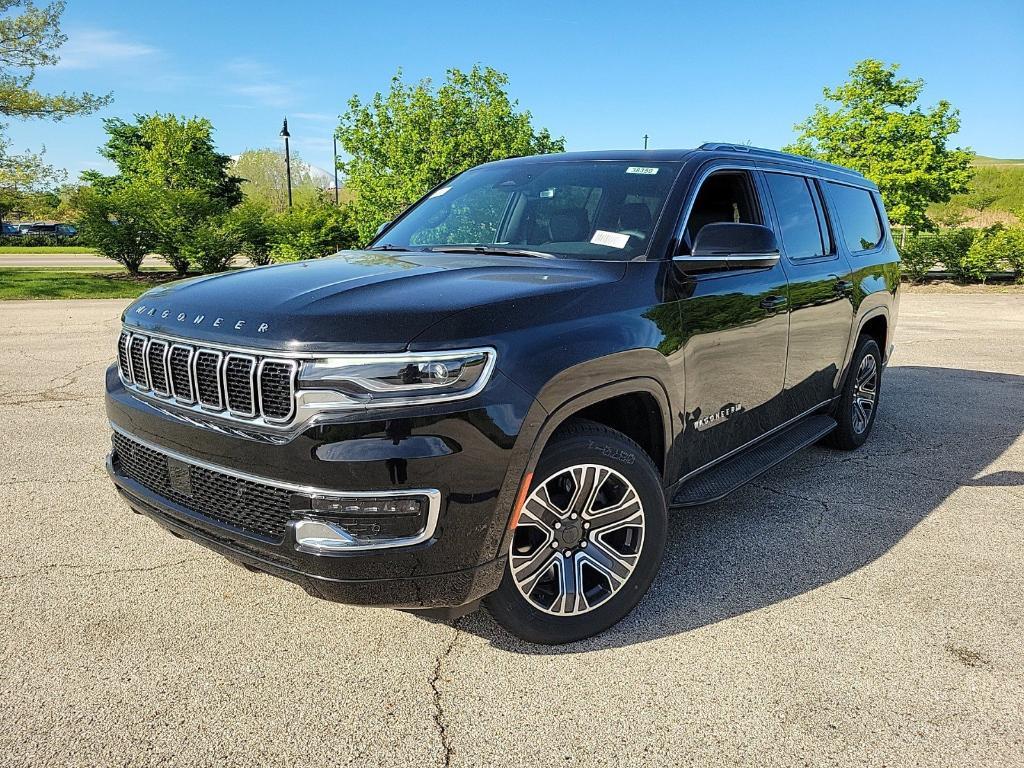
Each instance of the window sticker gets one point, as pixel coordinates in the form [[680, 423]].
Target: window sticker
[[441, 191], [611, 239], [644, 170], [547, 192]]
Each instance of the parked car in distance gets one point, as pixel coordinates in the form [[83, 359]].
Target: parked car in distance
[[504, 395]]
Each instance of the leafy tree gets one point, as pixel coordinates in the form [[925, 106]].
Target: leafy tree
[[251, 223], [402, 143], [118, 222], [167, 152], [30, 38], [212, 245], [186, 178], [264, 178], [879, 129]]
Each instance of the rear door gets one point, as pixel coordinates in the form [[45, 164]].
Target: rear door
[[735, 327], [820, 290]]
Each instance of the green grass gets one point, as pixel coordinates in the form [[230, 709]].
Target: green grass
[[43, 249], [64, 283]]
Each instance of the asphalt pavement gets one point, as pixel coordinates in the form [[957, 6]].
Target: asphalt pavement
[[859, 608]]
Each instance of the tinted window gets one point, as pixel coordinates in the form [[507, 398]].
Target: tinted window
[[797, 214], [569, 209], [858, 217], [723, 197]]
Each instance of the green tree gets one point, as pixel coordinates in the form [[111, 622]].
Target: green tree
[[402, 143], [30, 38], [264, 178], [186, 178], [118, 222], [878, 128], [167, 152]]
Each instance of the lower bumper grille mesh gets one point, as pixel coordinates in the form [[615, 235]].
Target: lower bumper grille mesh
[[252, 507]]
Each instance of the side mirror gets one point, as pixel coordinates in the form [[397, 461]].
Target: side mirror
[[727, 245], [381, 228]]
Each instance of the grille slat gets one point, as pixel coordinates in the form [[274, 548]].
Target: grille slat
[[277, 382], [247, 505], [246, 386], [122, 356], [155, 357], [240, 384], [206, 370], [137, 360]]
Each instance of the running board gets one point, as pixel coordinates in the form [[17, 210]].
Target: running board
[[724, 478]]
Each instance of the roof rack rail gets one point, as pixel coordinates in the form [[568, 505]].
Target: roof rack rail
[[715, 146]]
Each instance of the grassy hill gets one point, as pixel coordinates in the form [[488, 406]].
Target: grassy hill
[[996, 195]]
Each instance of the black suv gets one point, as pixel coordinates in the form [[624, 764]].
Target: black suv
[[500, 397]]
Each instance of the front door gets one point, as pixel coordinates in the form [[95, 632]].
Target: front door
[[820, 291], [735, 327]]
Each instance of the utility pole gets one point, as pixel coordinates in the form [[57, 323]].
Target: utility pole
[[287, 159], [645, 140], [336, 169]]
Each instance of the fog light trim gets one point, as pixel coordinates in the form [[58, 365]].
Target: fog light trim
[[323, 537]]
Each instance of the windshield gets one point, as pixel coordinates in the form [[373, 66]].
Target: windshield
[[572, 210]]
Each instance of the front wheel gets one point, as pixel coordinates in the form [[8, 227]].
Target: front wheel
[[858, 401], [589, 539]]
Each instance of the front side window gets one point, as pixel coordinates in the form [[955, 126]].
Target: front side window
[[727, 196], [858, 216], [573, 209], [800, 226]]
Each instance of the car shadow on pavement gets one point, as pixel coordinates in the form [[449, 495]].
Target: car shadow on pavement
[[823, 514]]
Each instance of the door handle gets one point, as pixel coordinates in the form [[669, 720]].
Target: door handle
[[773, 302], [843, 287]]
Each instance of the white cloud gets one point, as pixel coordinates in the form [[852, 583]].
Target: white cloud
[[97, 48], [316, 117], [259, 83]]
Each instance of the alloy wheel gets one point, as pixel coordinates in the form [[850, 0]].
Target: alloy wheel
[[578, 540], [865, 393]]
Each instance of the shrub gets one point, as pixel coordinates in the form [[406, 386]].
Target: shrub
[[313, 230], [252, 223], [947, 248], [41, 239], [1000, 249], [211, 246], [119, 224], [179, 214], [919, 255]]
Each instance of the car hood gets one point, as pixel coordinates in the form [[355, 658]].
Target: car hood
[[353, 301]]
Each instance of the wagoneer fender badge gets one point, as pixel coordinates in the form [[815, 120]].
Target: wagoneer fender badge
[[717, 418]]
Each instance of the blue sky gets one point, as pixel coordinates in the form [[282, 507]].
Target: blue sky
[[600, 73]]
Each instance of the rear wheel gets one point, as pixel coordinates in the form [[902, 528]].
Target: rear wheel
[[858, 403], [589, 540]]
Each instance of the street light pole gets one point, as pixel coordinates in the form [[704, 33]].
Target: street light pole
[[336, 169], [287, 159], [645, 140]]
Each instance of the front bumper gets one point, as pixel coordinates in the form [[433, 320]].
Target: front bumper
[[459, 563]]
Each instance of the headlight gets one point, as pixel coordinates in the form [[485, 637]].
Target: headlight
[[404, 379]]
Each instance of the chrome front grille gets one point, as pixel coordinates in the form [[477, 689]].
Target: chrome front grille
[[240, 386]]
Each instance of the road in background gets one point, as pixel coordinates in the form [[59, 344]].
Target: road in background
[[847, 609]]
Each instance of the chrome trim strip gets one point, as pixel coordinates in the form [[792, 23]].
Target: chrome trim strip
[[252, 385], [131, 360], [256, 351], [294, 365], [432, 494]]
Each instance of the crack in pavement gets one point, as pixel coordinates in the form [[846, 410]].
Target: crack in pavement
[[109, 572], [440, 720]]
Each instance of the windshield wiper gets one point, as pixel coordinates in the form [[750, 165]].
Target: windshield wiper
[[388, 247], [490, 250]]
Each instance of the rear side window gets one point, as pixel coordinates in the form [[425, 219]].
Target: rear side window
[[858, 217], [794, 198]]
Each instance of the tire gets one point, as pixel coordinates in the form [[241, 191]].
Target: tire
[[858, 403], [596, 502]]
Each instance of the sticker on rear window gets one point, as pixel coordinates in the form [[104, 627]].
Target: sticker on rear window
[[441, 191], [611, 239], [645, 170]]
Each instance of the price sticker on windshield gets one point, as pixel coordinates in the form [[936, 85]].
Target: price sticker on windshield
[[643, 170], [611, 239]]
